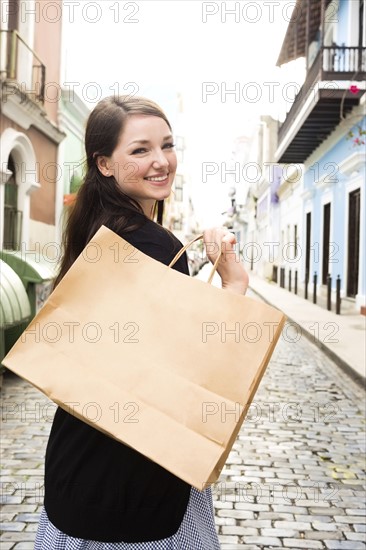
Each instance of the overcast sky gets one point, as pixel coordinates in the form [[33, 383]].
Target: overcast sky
[[200, 49]]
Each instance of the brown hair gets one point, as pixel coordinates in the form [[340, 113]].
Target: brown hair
[[100, 200]]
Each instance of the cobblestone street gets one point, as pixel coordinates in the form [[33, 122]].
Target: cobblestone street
[[294, 479]]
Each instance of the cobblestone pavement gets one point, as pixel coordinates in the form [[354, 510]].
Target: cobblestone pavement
[[294, 479]]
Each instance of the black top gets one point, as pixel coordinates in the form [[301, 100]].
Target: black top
[[99, 489]]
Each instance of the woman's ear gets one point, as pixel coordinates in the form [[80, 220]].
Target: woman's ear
[[103, 165]]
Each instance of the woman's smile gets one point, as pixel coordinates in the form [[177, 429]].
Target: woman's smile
[[158, 180]]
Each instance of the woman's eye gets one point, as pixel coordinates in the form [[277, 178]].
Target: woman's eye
[[142, 150]]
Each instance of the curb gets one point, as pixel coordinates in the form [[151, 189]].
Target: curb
[[346, 367]]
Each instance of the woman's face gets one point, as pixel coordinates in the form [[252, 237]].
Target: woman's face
[[144, 162]]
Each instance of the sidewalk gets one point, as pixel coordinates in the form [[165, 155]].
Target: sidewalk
[[341, 337]]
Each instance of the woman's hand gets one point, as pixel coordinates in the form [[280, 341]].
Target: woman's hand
[[231, 270]]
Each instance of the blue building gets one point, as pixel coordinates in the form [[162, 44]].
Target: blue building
[[325, 131]]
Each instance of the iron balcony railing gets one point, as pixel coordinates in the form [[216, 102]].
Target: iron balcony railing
[[332, 63], [21, 65], [343, 62]]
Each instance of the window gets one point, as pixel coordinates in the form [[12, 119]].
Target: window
[[295, 241], [13, 7], [179, 148], [326, 242], [178, 225], [178, 188], [12, 217]]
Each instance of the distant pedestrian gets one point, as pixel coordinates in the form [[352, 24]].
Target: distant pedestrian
[[99, 493]]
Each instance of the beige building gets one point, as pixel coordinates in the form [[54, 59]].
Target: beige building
[[179, 210]]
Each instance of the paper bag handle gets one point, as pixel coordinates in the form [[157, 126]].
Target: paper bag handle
[[182, 250]]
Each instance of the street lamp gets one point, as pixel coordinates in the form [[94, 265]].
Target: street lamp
[[232, 195], [231, 211]]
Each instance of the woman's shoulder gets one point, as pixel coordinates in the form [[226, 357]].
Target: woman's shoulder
[[151, 233], [151, 230], [157, 242]]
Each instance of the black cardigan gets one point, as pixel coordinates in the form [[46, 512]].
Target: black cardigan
[[99, 489]]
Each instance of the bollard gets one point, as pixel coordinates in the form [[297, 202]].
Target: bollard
[[329, 292], [306, 284], [283, 277], [314, 287], [295, 281], [338, 295], [289, 280]]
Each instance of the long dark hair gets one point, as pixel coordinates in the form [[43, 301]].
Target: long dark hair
[[100, 200]]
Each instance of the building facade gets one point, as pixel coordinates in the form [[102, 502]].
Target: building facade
[[179, 210], [72, 117], [30, 133], [324, 132]]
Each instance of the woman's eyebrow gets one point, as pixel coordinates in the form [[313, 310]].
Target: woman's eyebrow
[[145, 141]]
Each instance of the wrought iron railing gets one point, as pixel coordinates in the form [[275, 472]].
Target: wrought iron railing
[[331, 63], [20, 64], [344, 59]]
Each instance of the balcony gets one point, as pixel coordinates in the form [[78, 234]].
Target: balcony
[[322, 102], [21, 67]]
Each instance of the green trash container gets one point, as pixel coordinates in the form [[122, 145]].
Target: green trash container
[[32, 284], [15, 309], [36, 277]]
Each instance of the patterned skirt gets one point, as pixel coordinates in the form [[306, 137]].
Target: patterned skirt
[[196, 532]]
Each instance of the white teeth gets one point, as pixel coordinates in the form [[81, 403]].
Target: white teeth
[[162, 178]]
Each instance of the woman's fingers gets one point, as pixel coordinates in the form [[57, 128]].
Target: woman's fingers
[[217, 240], [229, 237], [220, 241]]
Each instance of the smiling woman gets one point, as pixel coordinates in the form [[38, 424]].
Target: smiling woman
[[99, 493], [129, 146]]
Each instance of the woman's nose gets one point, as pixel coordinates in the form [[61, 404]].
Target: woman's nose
[[160, 159]]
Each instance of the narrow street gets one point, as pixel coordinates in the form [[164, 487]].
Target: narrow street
[[296, 475], [294, 479], [256, 127]]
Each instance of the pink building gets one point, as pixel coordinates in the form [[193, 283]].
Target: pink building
[[30, 135]]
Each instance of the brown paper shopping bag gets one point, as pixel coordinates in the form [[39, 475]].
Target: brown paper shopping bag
[[162, 362]]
